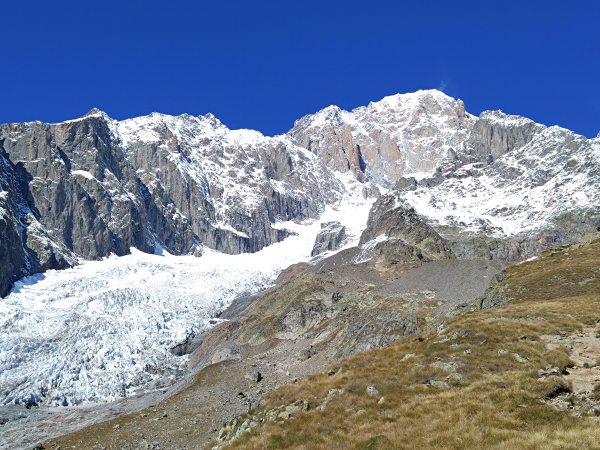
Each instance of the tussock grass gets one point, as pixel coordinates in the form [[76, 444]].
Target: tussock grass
[[494, 399]]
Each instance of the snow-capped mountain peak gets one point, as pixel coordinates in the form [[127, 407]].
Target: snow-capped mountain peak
[[400, 135], [494, 186]]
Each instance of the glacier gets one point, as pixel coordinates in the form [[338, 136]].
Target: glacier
[[104, 329]]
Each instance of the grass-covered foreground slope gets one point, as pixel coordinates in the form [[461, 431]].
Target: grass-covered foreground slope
[[474, 383], [463, 378]]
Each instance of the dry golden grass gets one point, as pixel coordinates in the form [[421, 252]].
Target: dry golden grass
[[498, 401]]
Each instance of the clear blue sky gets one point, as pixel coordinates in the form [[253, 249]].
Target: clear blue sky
[[264, 64]]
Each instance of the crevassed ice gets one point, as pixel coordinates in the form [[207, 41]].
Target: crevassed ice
[[104, 329]]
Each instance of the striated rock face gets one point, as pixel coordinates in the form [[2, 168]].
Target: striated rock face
[[79, 185], [229, 185], [26, 246], [94, 186], [399, 135], [13, 257], [80, 196], [495, 134], [331, 237]]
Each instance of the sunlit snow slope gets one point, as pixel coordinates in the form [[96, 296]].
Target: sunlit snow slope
[[551, 174]]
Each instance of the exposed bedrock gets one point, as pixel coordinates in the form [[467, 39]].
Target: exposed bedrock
[[393, 218], [493, 135], [85, 189], [398, 135], [330, 237], [564, 229]]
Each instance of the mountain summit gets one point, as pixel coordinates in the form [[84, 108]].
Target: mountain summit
[[86, 188]]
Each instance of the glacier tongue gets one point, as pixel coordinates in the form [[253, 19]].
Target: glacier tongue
[[104, 329]]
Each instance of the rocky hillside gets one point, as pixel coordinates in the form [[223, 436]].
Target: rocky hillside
[[515, 373], [358, 299], [523, 375]]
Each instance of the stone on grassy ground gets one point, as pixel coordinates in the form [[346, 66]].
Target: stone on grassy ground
[[438, 383], [372, 390]]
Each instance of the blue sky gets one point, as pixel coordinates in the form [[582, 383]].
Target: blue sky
[[264, 64]]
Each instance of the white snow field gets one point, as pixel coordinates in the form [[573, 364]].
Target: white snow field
[[557, 172], [104, 329]]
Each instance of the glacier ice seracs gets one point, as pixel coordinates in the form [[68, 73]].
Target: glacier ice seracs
[[104, 329]]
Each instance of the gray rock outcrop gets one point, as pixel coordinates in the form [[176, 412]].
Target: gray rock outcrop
[[514, 189], [331, 237], [399, 135], [25, 245], [86, 188], [494, 134], [393, 218]]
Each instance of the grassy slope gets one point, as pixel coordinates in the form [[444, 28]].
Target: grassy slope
[[498, 401]]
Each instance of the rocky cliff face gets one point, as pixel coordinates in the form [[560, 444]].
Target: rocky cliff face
[[229, 186], [399, 135], [79, 185], [13, 258], [93, 186], [78, 196], [26, 246], [390, 217], [513, 190], [495, 187], [494, 134], [331, 237]]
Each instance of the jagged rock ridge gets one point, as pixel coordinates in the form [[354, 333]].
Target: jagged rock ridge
[[496, 186], [493, 187], [399, 135], [94, 186], [513, 190], [331, 237]]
